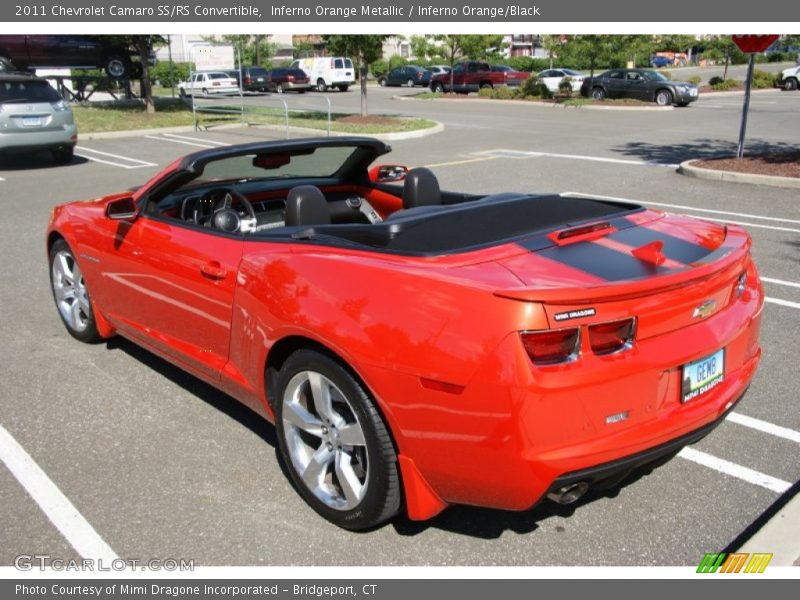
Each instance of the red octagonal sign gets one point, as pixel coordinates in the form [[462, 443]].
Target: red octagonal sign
[[753, 43]]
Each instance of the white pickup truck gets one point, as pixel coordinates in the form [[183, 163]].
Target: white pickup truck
[[790, 78]]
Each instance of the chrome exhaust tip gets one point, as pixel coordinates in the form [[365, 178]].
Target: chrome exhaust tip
[[569, 493]]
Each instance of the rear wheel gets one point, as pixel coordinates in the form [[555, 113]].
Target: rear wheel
[[204, 91], [279, 88], [71, 295], [63, 156], [663, 97], [321, 86], [437, 88], [116, 66], [336, 446], [486, 85], [410, 83], [382, 82], [598, 93]]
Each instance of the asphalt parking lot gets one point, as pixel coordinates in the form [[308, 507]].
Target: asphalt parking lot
[[162, 466]]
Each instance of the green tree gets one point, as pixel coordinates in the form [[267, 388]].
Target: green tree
[[363, 49], [252, 49], [144, 45]]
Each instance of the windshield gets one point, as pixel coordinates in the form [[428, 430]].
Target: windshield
[[27, 91], [322, 162], [655, 76]]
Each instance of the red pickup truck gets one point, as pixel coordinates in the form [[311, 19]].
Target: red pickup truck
[[470, 76]]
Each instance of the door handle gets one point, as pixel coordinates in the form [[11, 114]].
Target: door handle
[[213, 270]]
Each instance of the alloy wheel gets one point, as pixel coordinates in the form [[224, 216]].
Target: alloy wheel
[[70, 291]]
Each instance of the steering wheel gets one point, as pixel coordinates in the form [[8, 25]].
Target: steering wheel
[[215, 209]]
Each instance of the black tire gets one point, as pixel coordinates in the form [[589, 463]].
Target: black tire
[[598, 93], [117, 66], [790, 84], [382, 82], [88, 333], [279, 88], [383, 494], [343, 88], [486, 85], [204, 91], [437, 88], [410, 83], [63, 156], [663, 97], [321, 86]]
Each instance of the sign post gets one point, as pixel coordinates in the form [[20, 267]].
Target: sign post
[[750, 44]]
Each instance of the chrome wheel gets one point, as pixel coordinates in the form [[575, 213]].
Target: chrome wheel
[[325, 440], [70, 292]]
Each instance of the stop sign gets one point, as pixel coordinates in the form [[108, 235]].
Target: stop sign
[[753, 43]]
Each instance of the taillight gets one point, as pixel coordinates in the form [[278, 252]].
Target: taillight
[[290, 78], [552, 347], [607, 338], [581, 233]]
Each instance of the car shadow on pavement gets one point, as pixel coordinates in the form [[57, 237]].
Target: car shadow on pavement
[[28, 162], [488, 523], [205, 392], [698, 149]]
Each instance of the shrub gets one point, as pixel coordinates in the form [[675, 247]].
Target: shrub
[[716, 80], [486, 92], [695, 79], [565, 86], [397, 61], [161, 73], [763, 79], [379, 68], [723, 85], [528, 64], [533, 87], [504, 92]]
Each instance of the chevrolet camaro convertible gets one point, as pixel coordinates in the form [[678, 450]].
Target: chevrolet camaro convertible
[[415, 347]]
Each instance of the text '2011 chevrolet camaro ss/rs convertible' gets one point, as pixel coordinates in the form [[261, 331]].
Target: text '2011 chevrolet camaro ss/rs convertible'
[[415, 347]]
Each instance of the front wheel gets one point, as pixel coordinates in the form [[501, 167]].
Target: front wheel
[[410, 83], [598, 93], [664, 98], [116, 66], [71, 295], [337, 448], [321, 86], [437, 88], [279, 88], [790, 84]]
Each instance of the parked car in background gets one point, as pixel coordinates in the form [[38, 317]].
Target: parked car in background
[[790, 78], [409, 75], [288, 80], [662, 61], [33, 117], [504, 69], [552, 78], [208, 83], [640, 84], [250, 78], [73, 51], [327, 72], [438, 69], [470, 76]]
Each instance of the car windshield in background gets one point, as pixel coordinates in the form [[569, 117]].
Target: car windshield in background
[[322, 162], [27, 91], [655, 76], [572, 73]]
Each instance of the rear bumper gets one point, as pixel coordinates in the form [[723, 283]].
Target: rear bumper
[[32, 141]]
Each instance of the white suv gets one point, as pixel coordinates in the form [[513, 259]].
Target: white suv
[[34, 117]]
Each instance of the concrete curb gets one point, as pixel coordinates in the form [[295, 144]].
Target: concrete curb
[[780, 536], [741, 92], [538, 104], [399, 135], [688, 169]]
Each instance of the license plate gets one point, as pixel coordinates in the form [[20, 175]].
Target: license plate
[[260, 79], [701, 376], [31, 121]]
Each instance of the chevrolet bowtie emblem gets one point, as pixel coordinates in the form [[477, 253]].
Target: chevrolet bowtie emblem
[[705, 309]]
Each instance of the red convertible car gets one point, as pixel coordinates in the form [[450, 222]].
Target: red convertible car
[[415, 347]]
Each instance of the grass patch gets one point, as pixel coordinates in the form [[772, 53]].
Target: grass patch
[[126, 115]]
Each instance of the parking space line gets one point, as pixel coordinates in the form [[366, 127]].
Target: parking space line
[[764, 426], [780, 282], [780, 302], [144, 163], [461, 162], [533, 154], [735, 470], [163, 139], [192, 139], [55, 505], [683, 207]]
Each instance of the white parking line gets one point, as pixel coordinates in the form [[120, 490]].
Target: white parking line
[[780, 302], [780, 282], [136, 163], [622, 161], [192, 139], [734, 470], [55, 505], [765, 426], [127, 158], [163, 139]]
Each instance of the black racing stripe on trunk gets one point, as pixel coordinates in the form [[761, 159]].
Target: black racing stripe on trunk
[[674, 248], [603, 262]]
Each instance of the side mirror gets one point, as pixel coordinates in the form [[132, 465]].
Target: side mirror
[[388, 173], [122, 209]]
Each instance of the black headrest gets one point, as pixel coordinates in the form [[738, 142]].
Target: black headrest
[[306, 205], [421, 188]]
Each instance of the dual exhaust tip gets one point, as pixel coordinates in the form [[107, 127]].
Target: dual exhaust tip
[[569, 493]]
